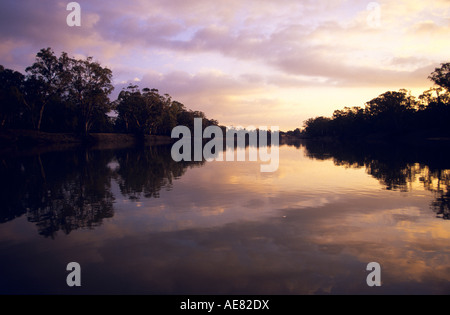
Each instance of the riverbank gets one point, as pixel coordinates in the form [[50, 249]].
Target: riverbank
[[30, 139], [419, 137]]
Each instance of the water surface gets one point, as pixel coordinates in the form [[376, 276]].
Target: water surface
[[139, 223]]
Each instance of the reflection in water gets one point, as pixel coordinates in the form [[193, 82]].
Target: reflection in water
[[395, 166], [145, 172], [59, 191], [147, 225], [72, 189]]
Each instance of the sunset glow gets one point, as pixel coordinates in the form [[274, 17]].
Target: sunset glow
[[243, 62]]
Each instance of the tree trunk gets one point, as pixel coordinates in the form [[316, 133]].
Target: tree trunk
[[42, 168], [41, 113]]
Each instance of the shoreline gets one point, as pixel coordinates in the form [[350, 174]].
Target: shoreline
[[30, 140], [375, 138]]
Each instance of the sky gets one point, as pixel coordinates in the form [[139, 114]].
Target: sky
[[243, 62]]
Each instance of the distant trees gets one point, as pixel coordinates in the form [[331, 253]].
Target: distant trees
[[297, 133], [391, 111], [348, 120], [391, 103], [391, 114], [141, 112], [318, 127], [65, 94], [145, 112]]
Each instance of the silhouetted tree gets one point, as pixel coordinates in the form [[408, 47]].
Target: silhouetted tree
[[45, 80], [11, 97], [318, 127], [391, 114], [88, 89], [441, 76], [391, 103], [139, 111], [65, 94], [145, 112]]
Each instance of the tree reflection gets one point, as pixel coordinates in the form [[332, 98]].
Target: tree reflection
[[439, 182], [146, 172], [58, 191], [396, 166], [81, 199], [68, 190]]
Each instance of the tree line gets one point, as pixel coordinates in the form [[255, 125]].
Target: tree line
[[65, 94], [391, 114]]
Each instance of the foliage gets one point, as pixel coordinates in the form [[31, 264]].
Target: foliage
[[147, 112], [391, 114], [64, 94]]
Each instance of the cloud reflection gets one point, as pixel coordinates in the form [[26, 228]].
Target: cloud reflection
[[215, 232]]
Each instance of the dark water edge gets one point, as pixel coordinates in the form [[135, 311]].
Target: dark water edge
[[395, 164], [23, 140], [428, 151]]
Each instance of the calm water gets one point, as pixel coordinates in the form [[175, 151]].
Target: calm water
[[139, 223]]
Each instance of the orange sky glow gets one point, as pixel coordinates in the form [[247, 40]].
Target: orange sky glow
[[259, 63]]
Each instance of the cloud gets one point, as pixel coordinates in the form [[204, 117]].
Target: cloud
[[229, 51], [338, 48]]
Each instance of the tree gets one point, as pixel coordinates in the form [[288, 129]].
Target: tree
[[139, 112], [391, 111], [146, 112], [441, 76], [317, 127], [169, 119], [44, 81], [89, 86], [11, 97], [427, 98], [391, 102]]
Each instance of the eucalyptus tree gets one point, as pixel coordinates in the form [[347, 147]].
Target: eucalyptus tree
[[441, 76], [45, 80], [11, 97], [89, 86]]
